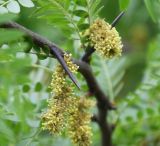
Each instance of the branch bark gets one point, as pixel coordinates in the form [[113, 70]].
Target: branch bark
[[42, 42]]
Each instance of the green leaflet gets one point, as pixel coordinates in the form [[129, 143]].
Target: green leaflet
[[9, 35], [151, 9]]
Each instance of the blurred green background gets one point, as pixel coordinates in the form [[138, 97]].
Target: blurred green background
[[131, 81]]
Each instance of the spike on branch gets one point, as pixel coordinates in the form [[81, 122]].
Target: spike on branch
[[64, 65], [116, 20], [41, 41]]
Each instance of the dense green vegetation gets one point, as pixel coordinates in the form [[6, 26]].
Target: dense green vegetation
[[131, 81]]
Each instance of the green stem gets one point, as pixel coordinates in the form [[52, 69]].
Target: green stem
[[89, 13], [42, 67], [68, 17], [36, 65], [5, 3], [33, 137]]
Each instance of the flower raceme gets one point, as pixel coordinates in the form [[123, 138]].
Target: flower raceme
[[104, 39], [54, 118], [81, 118], [66, 110], [59, 76]]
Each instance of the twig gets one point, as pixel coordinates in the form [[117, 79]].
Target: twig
[[94, 88], [87, 56], [116, 20]]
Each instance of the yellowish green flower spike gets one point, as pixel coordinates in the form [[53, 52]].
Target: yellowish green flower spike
[[54, 119], [65, 110], [79, 129], [58, 80], [59, 76], [73, 67], [104, 39]]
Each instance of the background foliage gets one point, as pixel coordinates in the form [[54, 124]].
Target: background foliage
[[132, 81]]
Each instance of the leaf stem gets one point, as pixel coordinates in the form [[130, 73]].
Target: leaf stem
[[5, 3], [42, 67], [89, 13]]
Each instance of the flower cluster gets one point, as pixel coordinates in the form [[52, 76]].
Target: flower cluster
[[104, 39], [66, 110], [54, 118], [79, 129], [73, 67], [59, 76]]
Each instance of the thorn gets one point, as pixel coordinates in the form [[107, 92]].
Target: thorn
[[116, 20], [64, 65]]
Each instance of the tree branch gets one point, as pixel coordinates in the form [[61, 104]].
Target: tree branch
[[87, 56], [94, 88], [42, 42]]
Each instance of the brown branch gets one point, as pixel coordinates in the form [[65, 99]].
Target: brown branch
[[87, 56], [94, 88], [42, 42]]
